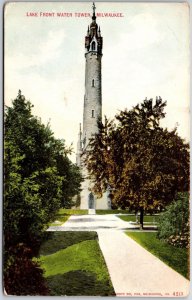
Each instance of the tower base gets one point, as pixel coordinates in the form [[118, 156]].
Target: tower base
[[92, 211]]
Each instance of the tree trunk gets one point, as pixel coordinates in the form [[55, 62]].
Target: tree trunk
[[141, 218], [136, 217]]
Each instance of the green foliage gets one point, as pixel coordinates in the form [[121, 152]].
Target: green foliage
[[74, 264], [38, 175], [174, 222], [176, 258], [143, 164], [72, 180]]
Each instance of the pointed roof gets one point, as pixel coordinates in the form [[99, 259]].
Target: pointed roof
[[94, 32], [94, 8], [93, 25]]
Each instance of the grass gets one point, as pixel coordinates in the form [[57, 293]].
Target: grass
[[74, 265], [58, 240], [148, 218], [66, 212], [81, 256], [61, 220], [176, 258], [110, 211]]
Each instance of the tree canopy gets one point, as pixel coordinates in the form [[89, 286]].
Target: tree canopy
[[39, 179], [144, 164]]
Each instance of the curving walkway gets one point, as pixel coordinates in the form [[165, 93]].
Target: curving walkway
[[133, 270]]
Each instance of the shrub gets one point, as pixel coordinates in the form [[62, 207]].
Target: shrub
[[174, 222], [24, 276]]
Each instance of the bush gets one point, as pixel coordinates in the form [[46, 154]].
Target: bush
[[174, 222], [24, 276]]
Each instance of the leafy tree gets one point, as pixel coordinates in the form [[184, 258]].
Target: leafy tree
[[32, 182], [144, 164], [37, 173], [72, 180]]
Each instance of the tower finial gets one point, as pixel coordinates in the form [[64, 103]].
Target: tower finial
[[94, 7]]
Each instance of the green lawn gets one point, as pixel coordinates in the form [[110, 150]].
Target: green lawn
[[58, 240], [66, 211], [60, 219], [148, 218], [110, 211], [74, 265], [176, 258]]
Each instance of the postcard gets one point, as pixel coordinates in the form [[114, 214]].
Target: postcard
[[96, 149]]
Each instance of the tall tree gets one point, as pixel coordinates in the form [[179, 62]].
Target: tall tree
[[144, 164], [37, 172], [32, 182]]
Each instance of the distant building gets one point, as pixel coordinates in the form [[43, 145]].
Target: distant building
[[92, 112]]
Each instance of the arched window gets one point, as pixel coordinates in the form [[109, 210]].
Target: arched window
[[93, 82], [93, 113], [93, 46]]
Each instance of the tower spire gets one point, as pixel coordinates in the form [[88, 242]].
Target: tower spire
[[94, 7], [93, 39]]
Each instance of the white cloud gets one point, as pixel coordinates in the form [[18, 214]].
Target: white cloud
[[47, 49]]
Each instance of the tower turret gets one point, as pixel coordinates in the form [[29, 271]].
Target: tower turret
[[93, 39]]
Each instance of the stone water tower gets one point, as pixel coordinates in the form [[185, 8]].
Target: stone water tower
[[92, 111]]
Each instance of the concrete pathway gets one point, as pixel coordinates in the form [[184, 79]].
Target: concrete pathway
[[94, 223], [133, 270], [136, 272]]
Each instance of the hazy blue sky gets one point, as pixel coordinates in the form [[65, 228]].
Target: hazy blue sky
[[145, 54]]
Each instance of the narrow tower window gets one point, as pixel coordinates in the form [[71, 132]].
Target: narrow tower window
[[93, 82], [93, 46], [93, 113]]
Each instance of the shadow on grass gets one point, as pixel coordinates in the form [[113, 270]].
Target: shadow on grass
[[57, 240], [78, 283]]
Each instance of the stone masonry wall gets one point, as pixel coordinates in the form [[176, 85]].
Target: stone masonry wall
[[92, 100]]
